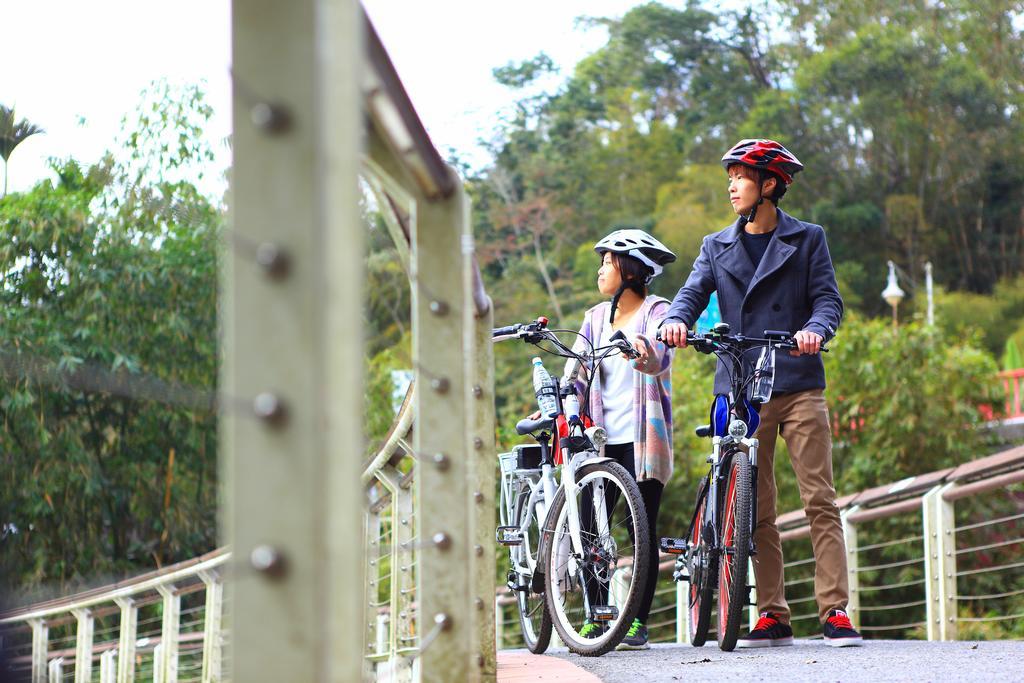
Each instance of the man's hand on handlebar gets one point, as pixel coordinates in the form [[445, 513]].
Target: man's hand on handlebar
[[673, 334], [807, 343]]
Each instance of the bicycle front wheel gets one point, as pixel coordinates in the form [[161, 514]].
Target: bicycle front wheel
[[533, 614], [732, 575], [594, 596]]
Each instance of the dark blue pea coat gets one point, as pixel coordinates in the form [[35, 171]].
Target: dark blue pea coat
[[793, 288]]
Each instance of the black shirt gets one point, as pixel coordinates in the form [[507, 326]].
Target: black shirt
[[756, 245]]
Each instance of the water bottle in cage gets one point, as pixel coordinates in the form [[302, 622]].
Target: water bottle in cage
[[544, 387], [764, 376]]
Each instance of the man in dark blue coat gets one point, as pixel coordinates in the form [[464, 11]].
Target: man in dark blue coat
[[774, 272]]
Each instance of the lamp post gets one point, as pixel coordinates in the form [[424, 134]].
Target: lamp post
[[892, 293]]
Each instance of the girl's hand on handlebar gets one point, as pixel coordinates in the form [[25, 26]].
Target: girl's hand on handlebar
[[639, 353], [673, 334], [807, 342], [533, 416]]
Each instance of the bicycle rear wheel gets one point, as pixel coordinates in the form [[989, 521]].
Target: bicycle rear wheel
[[732, 575], [534, 619], [700, 565], [601, 585]]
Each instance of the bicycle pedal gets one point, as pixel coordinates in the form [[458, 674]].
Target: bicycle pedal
[[673, 546], [604, 613], [509, 536], [517, 589]]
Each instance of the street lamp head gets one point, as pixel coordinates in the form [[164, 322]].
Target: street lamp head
[[892, 293]]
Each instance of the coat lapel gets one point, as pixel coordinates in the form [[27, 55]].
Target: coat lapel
[[779, 251], [734, 258]]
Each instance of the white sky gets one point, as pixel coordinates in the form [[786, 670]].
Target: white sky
[[90, 61]]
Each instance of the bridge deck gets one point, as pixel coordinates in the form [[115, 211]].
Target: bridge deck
[[808, 660]]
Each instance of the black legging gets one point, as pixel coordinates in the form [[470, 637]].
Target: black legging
[[650, 492]]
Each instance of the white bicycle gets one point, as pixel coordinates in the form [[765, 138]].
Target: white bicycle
[[572, 545]]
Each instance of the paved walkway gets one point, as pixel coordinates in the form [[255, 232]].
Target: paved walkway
[[519, 666], [808, 660]]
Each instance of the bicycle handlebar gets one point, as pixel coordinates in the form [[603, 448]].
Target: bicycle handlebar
[[706, 343]]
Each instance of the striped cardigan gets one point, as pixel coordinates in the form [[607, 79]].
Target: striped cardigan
[[652, 388]]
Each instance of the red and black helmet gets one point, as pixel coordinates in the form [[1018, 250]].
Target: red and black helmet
[[766, 155]]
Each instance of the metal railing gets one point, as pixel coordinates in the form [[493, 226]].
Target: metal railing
[[919, 567], [165, 626]]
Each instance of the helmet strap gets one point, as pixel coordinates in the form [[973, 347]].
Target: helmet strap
[[631, 284], [615, 301], [753, 211]]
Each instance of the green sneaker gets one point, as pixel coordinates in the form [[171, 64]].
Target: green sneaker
[[591, 629], [636, 637]]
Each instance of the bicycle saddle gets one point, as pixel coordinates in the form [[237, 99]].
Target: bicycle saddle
[[528, 426]]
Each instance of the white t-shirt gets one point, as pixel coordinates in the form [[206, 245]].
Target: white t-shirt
[[617, 389]]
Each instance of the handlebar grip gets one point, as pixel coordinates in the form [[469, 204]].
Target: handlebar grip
[[508, 329]]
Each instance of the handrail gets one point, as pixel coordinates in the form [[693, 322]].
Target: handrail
[[120, 589]]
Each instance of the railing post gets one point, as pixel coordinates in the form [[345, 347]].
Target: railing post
[[83, 645], [158, 669], [56, 670], [404, 574], [852, 564], [752, 614], [499, 622], [940, 564], [213, 620], [127, 631], [169, 627], [40, 645], [682, 612], [480, 503], [108, 666], [371, 589], [445, 586]]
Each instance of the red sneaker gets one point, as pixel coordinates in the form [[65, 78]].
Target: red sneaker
[[839, 632], [768, 632]]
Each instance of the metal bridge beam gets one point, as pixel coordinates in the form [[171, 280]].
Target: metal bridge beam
[[292, 375]]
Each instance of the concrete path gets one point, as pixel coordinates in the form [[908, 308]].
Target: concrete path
[[808, 660]]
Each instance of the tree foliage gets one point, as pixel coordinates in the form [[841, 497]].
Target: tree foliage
[[109, 307]]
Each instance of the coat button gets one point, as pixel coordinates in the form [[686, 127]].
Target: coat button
[[776, 307]]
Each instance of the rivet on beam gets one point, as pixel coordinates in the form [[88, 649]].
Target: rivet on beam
[[479, 550], [439, 308], [478, 443], [441, 461], [440, 385], [478, 391], [270, 118], [269, 408], [273, 260], [442, 540], [268, 561], [478, 497]]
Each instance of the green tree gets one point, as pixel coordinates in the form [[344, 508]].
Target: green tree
[[12, 134], [109, 308]]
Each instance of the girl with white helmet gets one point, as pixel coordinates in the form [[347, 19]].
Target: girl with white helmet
[[632, 399]]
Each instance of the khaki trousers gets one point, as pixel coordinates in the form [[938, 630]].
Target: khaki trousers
[[802, 420]]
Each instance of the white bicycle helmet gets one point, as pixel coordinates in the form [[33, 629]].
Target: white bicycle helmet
[[639, 245]]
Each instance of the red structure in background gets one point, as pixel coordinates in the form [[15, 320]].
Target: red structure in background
[[1011, 382]]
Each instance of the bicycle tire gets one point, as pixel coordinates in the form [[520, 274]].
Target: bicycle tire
[[534, 619], [558, 575], [735, 544], [700, 565]]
